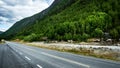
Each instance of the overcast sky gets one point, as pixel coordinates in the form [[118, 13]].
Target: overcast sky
[[15, 10]]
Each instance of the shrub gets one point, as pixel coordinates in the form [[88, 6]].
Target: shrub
[[31, 37]]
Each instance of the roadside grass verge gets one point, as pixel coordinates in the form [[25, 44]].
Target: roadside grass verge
[[1, 42], [98, 53]]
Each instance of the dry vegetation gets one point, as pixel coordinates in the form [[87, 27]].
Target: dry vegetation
[[104, 53]]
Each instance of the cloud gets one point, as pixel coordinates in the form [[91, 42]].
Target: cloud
[[49, 1], [3, 19], [14, 10]]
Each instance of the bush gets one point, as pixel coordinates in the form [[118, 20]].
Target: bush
[[114, 33], [68, 36], [98, 33], [31, 37], [84, 37]]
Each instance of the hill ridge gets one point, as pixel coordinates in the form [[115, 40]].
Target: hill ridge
[[77, 20]]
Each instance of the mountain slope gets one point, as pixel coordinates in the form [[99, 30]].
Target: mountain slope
[[27, 22], [72, 19], [1, 32]]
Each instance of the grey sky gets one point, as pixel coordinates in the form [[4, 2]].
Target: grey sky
[[14, 10]]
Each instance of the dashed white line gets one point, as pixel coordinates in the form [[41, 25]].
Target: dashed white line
[[64, 59], [39, 66], [16, 51], [27, 58], [20, 53], [67, 60]]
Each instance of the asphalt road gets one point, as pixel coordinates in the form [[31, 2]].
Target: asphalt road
[[14, 55]]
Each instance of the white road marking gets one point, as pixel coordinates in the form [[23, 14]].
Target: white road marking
[[20, 53], [64, 59], [27, 58], [16, 51], [67, 60], [39, 66]]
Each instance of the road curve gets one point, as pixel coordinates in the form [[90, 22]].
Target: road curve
[[15, 55]]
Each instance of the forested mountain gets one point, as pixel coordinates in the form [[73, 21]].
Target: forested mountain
[[1, 32], [78, 20], [27, 23]]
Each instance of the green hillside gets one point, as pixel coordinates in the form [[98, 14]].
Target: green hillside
[[1, 32], [78, 20], [29, 21]]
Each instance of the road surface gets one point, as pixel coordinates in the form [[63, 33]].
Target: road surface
[[14, 55]]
